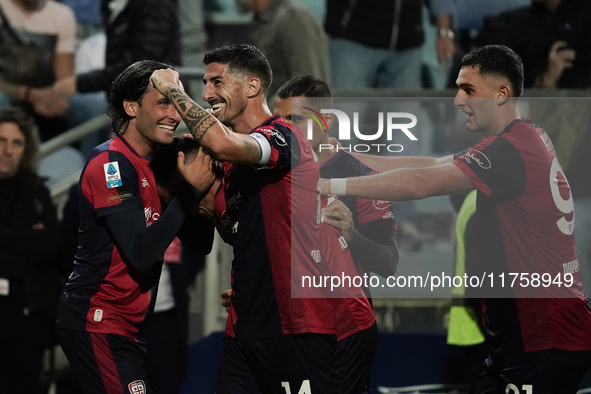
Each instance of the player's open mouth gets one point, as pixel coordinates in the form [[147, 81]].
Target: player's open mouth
[[167, 127], [217, 108]]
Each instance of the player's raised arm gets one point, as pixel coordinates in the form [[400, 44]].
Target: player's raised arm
[[401, 185], [389, 163], [211, 134]]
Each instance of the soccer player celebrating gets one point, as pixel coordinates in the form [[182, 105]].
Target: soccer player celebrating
[[367, 226], [108, 300], [539, 345], [267, 208]]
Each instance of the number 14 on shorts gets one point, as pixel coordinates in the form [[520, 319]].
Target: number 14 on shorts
[[304, 388], [525, 389]]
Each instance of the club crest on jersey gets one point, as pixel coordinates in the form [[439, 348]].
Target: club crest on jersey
[[112, 174], [137, 387]]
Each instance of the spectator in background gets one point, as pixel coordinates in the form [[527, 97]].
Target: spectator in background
[[29, 287], [377, 43], [136, 30], [291, 37], [52, 27], [553, 37], [88, 16]]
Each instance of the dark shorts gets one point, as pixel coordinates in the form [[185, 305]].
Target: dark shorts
[[549, 371], [105, 363], [355, 355], [285, 364]]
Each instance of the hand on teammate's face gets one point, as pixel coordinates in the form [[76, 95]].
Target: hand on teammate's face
[[163, 78]]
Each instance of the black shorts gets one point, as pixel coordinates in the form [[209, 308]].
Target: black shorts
[[105, 363], [285, 364], [549, 371], [355, 355]]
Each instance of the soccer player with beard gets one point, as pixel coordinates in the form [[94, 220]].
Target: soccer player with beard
[[267, 208]]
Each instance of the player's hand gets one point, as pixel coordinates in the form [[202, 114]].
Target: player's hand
[[163, 78], [334, 142], [324, 186], [338, 215], [560, 58], [207, 203], [198, 171], [227, 299]]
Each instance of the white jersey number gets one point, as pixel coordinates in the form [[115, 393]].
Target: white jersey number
[[565, 206]]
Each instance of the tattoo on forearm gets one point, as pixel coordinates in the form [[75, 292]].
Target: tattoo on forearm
[[198, 120], [252, 151]]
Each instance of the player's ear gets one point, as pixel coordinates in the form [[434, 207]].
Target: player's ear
[[254, 87], [130, 107], [503, 94], [329, 118]]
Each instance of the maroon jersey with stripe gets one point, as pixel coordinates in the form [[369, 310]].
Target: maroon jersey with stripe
[[353, 311], [103, 294], [270, 215], [526, 225]]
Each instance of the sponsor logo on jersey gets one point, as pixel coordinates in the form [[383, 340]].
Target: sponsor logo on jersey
[[571, 267], [316, 255], [98, 315], [112, 174], [150, 213], [474, 155], [270, 132], [137, 387], [343, 243], [381, 204]]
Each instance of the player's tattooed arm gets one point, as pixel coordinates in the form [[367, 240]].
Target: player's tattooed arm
[[197, 119], [221, 142], [252, 150]]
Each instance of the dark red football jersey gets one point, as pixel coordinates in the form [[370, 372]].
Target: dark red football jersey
[[270, 214], [352, 309], [526, 225], [102, 295]]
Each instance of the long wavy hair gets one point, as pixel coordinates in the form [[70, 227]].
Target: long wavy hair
[[27, 126]]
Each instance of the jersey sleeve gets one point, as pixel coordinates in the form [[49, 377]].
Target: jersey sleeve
[[495, 167], [276, 142], [110, 183]]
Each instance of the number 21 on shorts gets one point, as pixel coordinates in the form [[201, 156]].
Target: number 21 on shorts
[[525, 389]]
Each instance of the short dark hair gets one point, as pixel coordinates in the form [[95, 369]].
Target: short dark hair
[[306, 86], [243, 59], [164, 160], [497, 60], [27, 126], [130, 85]]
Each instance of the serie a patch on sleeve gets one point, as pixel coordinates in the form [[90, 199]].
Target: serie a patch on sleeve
[[112, 174]]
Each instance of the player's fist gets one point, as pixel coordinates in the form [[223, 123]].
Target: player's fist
[[164, 78], [226, 299]]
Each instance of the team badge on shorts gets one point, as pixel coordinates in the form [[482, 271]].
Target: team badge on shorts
[[137, 387]]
